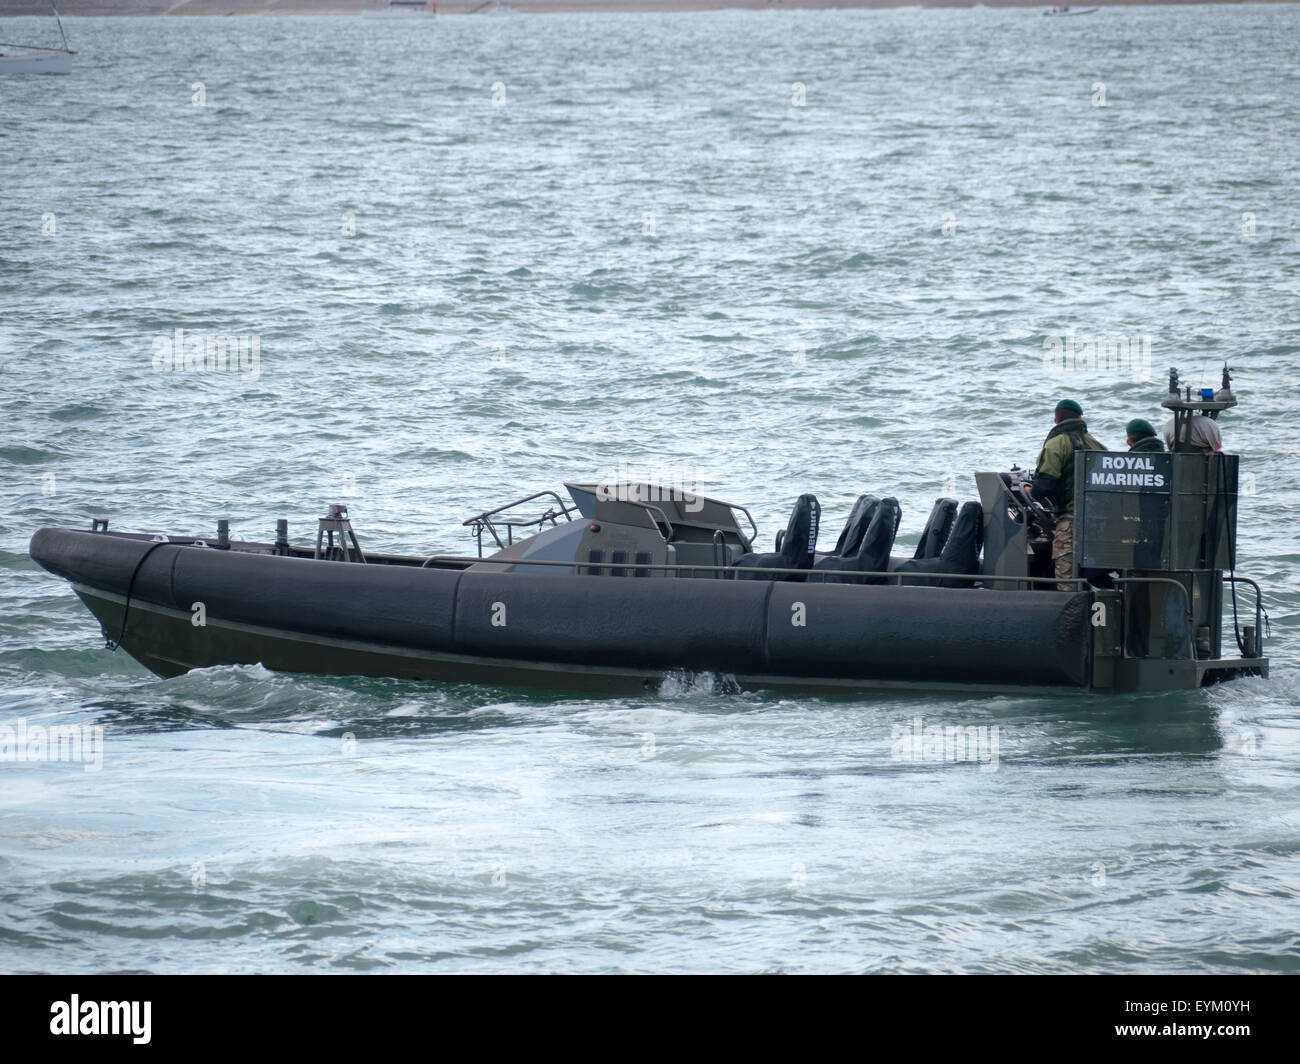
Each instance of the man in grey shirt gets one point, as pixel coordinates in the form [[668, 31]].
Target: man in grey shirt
[[1202, 434]]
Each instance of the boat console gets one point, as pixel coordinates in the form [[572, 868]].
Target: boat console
[[628, 529], [1155, 537]]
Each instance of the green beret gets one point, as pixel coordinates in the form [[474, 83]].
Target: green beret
[[1139, 427], [1069, 404]]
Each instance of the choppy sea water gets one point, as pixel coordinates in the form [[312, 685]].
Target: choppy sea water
[[482, 256]]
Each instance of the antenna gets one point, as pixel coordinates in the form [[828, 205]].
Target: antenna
[[1225, 392]]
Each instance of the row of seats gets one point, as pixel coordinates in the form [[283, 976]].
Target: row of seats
[[950, 543]]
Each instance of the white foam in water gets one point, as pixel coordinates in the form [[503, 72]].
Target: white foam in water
[[681, 683]]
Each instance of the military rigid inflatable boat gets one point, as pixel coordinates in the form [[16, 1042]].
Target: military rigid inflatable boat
[[625, 583]]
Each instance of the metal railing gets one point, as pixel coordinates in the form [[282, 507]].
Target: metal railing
[[748, 517], [480, 522], [1188, 617], [900, 579], [1260, 616], [648, 507]]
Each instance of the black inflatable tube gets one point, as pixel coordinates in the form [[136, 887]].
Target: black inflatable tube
[[754, 628]]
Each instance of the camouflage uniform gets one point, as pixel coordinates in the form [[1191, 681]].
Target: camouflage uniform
[[1056, 460]]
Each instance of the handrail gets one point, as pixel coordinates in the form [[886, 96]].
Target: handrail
[[484, 520], [651, 506], [1188, 615], [1187, 606], [748, 516], [1187, 602], [519, 502], [898, 576], [672, 531], [1259, 608]]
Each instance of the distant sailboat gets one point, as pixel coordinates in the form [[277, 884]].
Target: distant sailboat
[[404, 7], [29, 59], [21, 59]]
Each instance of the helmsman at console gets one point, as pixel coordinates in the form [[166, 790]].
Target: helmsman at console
[[1054, 480]]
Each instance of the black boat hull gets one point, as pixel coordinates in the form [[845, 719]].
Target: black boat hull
[[563, 633]]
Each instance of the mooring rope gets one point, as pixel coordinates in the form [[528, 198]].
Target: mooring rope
[[109, 644]]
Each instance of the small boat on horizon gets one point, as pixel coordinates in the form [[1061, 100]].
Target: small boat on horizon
[[33, 59], [1070, 11], [403, 8]]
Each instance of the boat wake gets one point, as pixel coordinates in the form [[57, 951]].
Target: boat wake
[[681, 683]]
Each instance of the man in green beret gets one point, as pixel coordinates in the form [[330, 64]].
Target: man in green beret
[[1054, 481], [1142, 436]]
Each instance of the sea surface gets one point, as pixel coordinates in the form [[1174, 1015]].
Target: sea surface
[[757, 253]]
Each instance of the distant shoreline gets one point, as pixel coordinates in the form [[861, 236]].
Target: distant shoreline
[[127, 8]]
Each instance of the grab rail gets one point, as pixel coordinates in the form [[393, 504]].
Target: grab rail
[[897, 577], [1260, 616], [651, 506], [1187, 608], [748, 516], [482, 521]]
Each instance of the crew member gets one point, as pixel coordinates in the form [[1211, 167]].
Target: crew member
[[1203, 435], [1142, 436], [1054, 481]]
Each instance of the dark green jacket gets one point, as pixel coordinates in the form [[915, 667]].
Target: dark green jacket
[[1148, 443], [1054, 471]]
